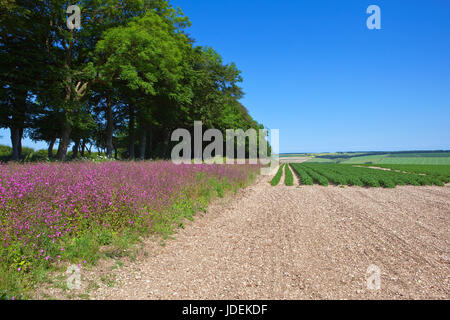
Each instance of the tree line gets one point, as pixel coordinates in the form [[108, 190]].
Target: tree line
[[122, 82]]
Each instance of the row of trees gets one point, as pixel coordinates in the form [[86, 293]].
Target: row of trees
[[122, 82]]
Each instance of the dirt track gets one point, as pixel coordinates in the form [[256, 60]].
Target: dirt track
[[301, 243]]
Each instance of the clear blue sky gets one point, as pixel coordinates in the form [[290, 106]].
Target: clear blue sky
[[313, 70]]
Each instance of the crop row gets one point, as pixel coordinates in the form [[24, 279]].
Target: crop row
[[301, 173], [289, 177], [442, 172], [276, 180], [337, 174]]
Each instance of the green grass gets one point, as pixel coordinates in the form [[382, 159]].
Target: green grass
[[437, 158], [421, 155], [416, 160], [321, 160], [365, 159]]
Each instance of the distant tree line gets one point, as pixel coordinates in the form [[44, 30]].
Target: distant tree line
[[121, 83]]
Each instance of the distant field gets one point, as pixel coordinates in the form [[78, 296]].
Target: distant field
[[421, 155], [364, 159], [321, 160], [407, 158], [292, 155], [415, 160]]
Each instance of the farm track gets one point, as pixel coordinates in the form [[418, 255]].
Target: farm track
[[310, 242]]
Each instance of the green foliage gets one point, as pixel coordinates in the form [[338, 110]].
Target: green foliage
[[342, 174], [441, 172], [288, 177], [276, 179], [5, 151], [124, 81], [303, 176], [316, 176]]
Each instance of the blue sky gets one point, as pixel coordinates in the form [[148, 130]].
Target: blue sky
[[313, 70]]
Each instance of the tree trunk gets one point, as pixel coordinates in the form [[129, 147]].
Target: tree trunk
[[150, 142], [143, 142], [166, 144], [131, 133], [18, 122], [83, 147], [50, 148], [15, 142], [20, 141], [64, 141], [75, 148], [109, 128]]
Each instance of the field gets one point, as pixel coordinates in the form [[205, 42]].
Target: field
[[299, 243], [262, 243], [51, 214], [427, 158], [440, 171], [341, 174], [415, 160]]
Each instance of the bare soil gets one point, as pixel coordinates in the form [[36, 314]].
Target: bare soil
[[307, 242]]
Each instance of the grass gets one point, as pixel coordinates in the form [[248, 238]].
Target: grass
[[365, 159], [437, 158], [416, 160]]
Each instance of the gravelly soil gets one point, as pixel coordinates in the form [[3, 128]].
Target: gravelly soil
[[308, 242]]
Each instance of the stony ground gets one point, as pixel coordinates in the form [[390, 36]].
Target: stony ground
[[308, 242], [305, 242]]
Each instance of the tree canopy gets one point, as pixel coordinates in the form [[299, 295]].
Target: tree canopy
[[122, 82]]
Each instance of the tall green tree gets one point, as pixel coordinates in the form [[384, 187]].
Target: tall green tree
[[20, 67], [141, 56]]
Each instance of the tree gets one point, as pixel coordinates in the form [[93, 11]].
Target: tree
[[140, 56], [20, 53], [122, 82]]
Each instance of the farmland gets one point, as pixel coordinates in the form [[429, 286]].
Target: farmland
[[442, 172], [424, 157], [53, 215], [276, 179], [309, 242], [289, 177], [341, 174]]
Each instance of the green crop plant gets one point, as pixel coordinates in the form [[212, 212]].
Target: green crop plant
[[288, 176], [302, 175], [276, 180]]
